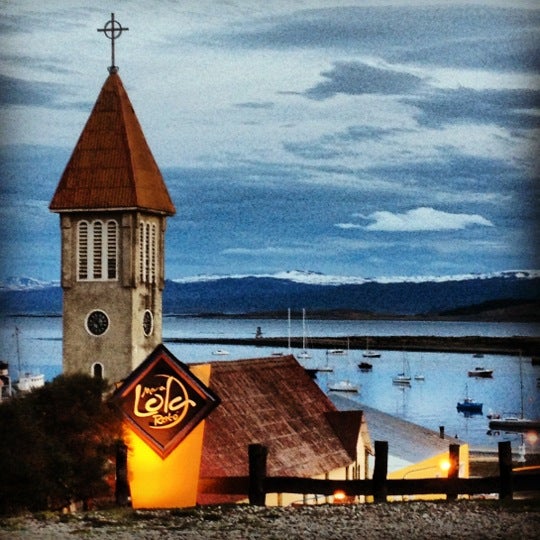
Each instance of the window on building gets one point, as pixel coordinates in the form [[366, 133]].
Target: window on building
[[97, 371], [147, 252], [97, 250]]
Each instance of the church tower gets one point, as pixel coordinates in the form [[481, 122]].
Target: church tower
[[113, 204]]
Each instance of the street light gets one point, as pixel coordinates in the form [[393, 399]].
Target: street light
[[442, 466]]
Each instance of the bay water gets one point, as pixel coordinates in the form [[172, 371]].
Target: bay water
[[36, 346]]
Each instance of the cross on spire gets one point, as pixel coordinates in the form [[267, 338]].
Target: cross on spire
[[113, 30]]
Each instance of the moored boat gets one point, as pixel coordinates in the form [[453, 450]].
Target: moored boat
[[336, 351], [404, 377], [480, 372], [365, 366], [343, 386], [368, 353], [468, 405], [514, 423]]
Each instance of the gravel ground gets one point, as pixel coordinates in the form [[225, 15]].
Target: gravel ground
[[396, 521]]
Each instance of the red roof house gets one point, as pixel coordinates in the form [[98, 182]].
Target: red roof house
[[273, 402]]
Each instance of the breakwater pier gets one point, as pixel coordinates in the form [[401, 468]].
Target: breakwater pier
[[514, 346]]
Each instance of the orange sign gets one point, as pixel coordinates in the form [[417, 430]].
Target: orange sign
[[163, 401]]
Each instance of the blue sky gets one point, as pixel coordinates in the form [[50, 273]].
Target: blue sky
[[344, 137]]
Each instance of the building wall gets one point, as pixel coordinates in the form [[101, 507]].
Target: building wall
[[125, 299]]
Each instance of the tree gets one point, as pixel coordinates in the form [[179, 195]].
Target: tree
[[58, 445]]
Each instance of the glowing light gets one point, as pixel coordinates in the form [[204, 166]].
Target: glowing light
[[339, 496], [444, 465], [532, 437]]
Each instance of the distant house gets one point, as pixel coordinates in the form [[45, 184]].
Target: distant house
[[272, 401]]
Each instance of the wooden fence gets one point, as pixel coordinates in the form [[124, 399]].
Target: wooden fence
[[258, 484]]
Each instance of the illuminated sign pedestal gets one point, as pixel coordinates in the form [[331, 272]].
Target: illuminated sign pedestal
[[164, 404]]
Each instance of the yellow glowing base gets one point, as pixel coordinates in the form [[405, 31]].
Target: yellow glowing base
[[171, 482]]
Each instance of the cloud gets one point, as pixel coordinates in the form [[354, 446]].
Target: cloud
[[423, 219], [255, 105], [347, 226], [14, 91], [356, 78], [460, 35], [508, 108]]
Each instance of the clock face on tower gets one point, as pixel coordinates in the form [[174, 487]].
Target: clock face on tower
[[97, 322], [148, 322]]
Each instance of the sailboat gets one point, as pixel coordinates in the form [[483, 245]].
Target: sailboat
[[27, 381], [419, 375], [404, 377], [515, 422], [304, 352], [368, 353], [344, 385]]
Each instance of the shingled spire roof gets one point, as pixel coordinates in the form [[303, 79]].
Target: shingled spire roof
[[112, 166]]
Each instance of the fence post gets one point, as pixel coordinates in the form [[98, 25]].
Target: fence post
[[121, 490], [505, 471], [453, 471], [380, 471], [257, 454]]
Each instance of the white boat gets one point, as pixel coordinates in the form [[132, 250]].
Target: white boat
[[404, 377], [27, 381], [480, 372], [336, 351], [419, 376], [515, 422], [220, 352], [343, 386], [368, 353]]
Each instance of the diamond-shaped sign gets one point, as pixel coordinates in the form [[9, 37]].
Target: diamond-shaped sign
[[164, 401]]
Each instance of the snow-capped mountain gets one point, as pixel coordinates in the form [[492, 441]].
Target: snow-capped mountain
[[317, 278], [237, 294], [26, 283]]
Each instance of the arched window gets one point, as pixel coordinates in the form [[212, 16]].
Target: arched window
[[153, 253], [97, 371], [83, 250], [97, 243], [112, 249], [97, 255], [147, 252]]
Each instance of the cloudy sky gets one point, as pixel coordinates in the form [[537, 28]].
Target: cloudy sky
[[361, 138]]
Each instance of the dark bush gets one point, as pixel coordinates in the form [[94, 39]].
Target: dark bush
[[57, 445]]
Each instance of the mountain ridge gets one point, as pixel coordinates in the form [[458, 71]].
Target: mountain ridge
[[514, 293]]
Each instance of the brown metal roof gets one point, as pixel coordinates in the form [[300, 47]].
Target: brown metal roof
[[272, 401], [112, 165]]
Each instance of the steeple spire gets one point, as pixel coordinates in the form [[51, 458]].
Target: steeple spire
[[113, 30]]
